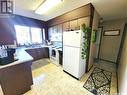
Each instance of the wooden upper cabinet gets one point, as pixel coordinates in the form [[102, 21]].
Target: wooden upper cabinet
[[73, 24], [55, 33], [66, 26], [45, 52], [55, 29], [83, 20], [50, 32], [59, 28]]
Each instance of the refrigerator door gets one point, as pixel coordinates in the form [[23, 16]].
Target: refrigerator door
[[71, 60], [72, 38]]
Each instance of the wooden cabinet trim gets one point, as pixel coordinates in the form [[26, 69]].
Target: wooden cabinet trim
[[83, 11]]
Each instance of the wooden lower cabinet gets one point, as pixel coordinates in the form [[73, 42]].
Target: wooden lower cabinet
[[39, 53], [60, 57], [17, 79], [45, 52], [32, 52]]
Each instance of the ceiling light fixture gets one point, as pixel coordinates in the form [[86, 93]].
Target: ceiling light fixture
[[46, 5]]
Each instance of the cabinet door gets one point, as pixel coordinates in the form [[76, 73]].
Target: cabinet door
[[60, 32], [59, 28], [45, 52], [51, 33], [17, 79], [74, 25], [66, 26], [32, 52], [38, 53], [55, 29], [84, 20], [60, 57]]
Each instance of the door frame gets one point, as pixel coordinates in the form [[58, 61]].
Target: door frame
[[121, 45], [120, 52], [100, 42]]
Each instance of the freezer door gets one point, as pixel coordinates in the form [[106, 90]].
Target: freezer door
[[71, 60], [72, 38]]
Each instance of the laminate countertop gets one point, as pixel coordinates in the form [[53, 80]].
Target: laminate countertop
[[21, 56]]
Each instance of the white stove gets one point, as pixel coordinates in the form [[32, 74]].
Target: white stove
[[54, 55]]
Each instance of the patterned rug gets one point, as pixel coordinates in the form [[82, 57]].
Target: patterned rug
[[99, 82]]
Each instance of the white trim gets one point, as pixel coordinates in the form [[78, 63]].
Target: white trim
[[1, 91]]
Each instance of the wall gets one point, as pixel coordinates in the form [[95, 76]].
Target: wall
[[1, 91], [7, 31], [17, 19], [92, 45], [110, 44], [122, 71]]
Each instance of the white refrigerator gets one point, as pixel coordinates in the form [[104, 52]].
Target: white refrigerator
[[72, 48]]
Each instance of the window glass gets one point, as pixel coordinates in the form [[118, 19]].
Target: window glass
[[27, 35], [44, 34], [36, 35], [22, 34]]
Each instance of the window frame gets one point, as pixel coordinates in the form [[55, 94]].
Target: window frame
[[30, 33]]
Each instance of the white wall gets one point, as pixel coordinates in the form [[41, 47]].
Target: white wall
[[122, 71], [1, 92], [92, 45], [110, 44]]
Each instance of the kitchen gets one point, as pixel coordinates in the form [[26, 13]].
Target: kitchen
[[56, 52]]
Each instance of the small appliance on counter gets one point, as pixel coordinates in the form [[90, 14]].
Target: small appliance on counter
[[7, 56], [48, 42]]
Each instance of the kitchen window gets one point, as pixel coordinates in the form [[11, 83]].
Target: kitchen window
[[31, 35], [22, 34], [36, 35]]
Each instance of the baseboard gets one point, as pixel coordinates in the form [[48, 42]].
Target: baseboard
[[107, 61], [71, 75]]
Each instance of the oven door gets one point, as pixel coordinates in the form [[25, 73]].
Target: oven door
[[54, 56], [53, 53]]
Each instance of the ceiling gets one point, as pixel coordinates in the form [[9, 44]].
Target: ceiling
[[108, 9]]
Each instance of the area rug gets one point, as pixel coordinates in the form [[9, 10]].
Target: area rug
[[99, 82]]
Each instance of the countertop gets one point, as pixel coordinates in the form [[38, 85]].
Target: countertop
[[22, 57]]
